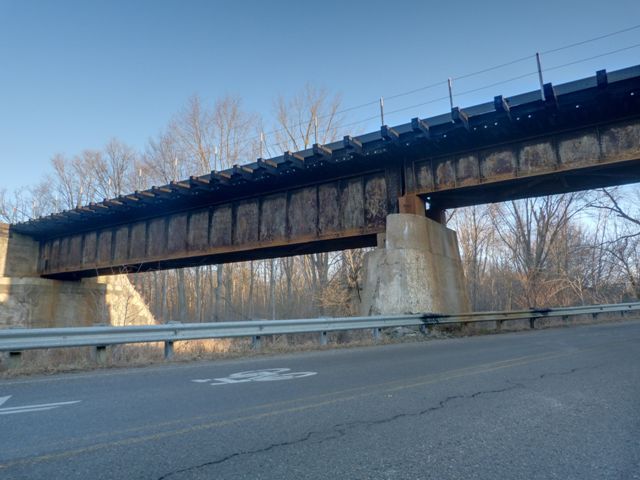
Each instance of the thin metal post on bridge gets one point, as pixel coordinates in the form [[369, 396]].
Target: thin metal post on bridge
[[261, 143], [540, 76], [315, 128]]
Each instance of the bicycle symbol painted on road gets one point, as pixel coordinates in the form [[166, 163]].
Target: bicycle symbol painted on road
[[264, 375]]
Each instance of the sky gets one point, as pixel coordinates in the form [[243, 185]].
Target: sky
[[74, 74]]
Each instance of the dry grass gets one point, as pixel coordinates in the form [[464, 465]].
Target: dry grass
[[51, 361], [137, 355]]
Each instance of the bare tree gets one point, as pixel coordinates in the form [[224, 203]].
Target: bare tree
[[114, 169], [310, 116], [530, 229], [16, 207], [72, 184], [476, 237], [623, 242], [309, 111], [234, 130]]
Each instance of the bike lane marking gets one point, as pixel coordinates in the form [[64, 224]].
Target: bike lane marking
[[264, 375]]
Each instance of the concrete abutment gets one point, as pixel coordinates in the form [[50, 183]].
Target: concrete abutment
[[415, 269], [29, 301]]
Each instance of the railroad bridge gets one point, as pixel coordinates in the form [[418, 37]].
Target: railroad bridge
[[387, 188]]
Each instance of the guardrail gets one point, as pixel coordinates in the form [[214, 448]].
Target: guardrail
[[15, 340]]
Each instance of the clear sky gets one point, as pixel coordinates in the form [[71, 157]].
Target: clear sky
[[73, 74]]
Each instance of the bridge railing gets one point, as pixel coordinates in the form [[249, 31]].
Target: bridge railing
[[16, 340]]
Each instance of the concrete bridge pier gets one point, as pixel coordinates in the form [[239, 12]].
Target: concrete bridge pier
[[416, 268]]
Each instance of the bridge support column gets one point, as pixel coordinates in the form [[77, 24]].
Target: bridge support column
[[416, 268], [26, 300]]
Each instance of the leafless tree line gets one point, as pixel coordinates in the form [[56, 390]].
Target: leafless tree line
[[559, 250]]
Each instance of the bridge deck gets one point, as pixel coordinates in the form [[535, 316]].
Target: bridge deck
[[586, 134]]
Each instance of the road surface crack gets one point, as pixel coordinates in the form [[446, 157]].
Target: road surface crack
[[344, 427], [568, 372], [288, 443], [561, 373], [338, 431]]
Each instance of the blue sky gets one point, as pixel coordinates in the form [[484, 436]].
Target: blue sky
[[74, 74]]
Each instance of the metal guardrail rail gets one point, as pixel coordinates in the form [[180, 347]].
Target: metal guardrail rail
[[15, 340]]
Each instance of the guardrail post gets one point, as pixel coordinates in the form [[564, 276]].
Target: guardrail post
[[376, 334], [256, 342], [499, 325], [532, 323], [168, 345], [323, 338], [14, 360], [99, 352], [168, 350]]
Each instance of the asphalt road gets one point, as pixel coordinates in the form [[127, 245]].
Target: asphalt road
[[561, 403]]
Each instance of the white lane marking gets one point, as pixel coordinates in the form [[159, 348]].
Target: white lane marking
[[31, 408], [264, 375], [27, 410]]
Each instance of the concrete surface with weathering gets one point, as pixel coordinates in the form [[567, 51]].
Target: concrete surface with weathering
[[26, 300], [417, 269]]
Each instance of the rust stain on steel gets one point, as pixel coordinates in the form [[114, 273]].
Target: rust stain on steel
[[393, 180], [273, 217], [177, 233], [537, 157], [221, 227], [445, 173], [329, 206], [104, 246], [335, 210], [621, 141], [245, 222], [467, 169], [584, 148], [54, 264], [352, 204], [44, 255], [138, 239], [302, 212], [498, 163], [375, 201], [64, 250], [121, 247], [576, 150], [198, 230], [89, 249], [346, 234], [75, 250], [155, 239], [424, 175]]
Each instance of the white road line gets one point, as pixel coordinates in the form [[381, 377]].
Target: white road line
[[31, 408], [26, 410]]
